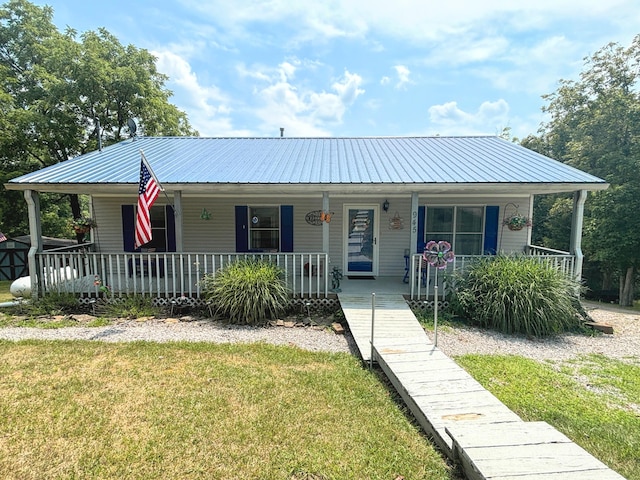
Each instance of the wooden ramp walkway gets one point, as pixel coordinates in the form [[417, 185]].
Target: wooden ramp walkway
[[465, 421], [394, 319]]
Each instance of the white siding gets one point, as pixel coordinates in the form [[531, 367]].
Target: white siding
[[218, 233]]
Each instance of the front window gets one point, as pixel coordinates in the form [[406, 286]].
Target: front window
[[158, 241], [462, 227], [264, 229]]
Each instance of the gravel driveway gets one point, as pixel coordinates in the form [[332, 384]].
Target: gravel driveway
[[624, 343]]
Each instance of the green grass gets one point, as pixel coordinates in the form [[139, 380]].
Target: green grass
[[51, 322], [594, 400], [5, 294], [145, 410], [446, 321]]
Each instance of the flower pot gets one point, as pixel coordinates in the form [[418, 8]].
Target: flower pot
[[515, 227]]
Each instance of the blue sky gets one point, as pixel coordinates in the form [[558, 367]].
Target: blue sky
[[361, 67]]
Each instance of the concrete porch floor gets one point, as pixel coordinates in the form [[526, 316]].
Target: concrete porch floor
[[377, 285]]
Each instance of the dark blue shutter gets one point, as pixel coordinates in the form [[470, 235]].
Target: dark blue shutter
[[421, 216], [491, 221], [242, 228], [128, 228], [171, 229], [286, 228]]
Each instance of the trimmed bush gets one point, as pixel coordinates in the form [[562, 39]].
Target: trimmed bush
[[247, 291], [517, 294]]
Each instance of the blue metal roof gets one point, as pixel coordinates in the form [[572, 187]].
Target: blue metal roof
[[339, 161]]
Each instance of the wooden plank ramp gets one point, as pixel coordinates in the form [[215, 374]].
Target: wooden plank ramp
[[393, 319], [524, 451], [467, 422]]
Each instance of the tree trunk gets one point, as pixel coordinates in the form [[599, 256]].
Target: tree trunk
[[76, 213], [627, 287]]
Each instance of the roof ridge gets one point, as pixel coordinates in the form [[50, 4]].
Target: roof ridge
[[374, 137]]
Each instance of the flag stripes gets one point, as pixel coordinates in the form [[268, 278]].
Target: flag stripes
[[148, 192]]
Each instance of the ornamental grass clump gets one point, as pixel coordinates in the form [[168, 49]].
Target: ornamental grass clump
[[247, 291], [518, 294]]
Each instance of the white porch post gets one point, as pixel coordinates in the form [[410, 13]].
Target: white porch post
[[530, 215], [35, 232], [414, 223], [177, 212], [325, 225], [575, 245]]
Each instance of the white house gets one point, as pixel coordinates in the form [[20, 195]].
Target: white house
[[365, 206]]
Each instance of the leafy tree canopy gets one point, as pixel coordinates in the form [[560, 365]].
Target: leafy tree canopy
[[595, 125], [60, 92]]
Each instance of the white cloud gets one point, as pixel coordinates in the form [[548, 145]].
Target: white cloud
[[209, 110], [348, 87], [403, 76], [450, 119], [409, 19], [466, 49], [490, 49], [299, 109]]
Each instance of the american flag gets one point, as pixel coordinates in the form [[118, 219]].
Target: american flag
[[3, 238], [148, 192]]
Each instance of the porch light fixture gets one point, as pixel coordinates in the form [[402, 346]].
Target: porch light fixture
[[385, 206]]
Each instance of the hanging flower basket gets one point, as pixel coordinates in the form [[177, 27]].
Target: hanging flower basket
[[83, 225], [516, 222]]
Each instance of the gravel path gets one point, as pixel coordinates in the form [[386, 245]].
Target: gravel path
[[624, 343], [173, 330]]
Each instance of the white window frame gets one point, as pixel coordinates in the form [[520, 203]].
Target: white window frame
[[454, 233], [251, 228]]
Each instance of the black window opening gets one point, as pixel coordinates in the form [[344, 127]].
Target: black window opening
[[158, 242], [162, 229], [462, 227], [264, 229]]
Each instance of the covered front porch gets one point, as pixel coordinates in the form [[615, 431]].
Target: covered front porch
[[366, 206], [167, 275]]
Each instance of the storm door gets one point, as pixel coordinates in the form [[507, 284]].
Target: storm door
[[361, 240]]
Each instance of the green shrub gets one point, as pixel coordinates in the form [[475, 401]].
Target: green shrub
[[517, 294], [247, 291], [129, 306], [53, 303]]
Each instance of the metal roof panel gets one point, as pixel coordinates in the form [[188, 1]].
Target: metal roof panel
[[376, 160]]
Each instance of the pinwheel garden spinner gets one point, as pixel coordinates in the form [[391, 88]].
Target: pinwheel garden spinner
[[438, 255]]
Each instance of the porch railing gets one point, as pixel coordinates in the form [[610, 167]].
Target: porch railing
[[422, 276], [167, 274]]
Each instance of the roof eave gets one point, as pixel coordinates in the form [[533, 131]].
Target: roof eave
[[307, 188]]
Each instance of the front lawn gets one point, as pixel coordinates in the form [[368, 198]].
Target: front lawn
[[594, 400], [143, 410]]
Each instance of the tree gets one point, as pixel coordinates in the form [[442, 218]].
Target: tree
[[59, 94], [595, 126]]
